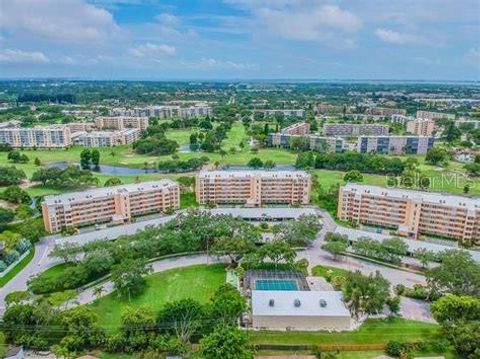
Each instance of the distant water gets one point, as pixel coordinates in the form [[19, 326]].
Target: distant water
[[108, 170]]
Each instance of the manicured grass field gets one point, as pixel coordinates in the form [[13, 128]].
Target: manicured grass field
[[373, 331], [321, 271], [236, 135], [55, 272], [182, 136], [197, 282], [15, 270]]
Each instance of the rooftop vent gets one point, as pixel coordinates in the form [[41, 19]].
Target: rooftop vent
[[323, 303], [297, 303], [271, 302]]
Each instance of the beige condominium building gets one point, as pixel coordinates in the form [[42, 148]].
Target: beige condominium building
[[411, 212], [288, 112], [301, 128], [385, 111], [253, 188], [355, 129], [421, 127], [56, 136], [114, 205], [429, 115], [121, 122], [395, 145], [105, 138]]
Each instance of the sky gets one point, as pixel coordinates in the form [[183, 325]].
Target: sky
[[241, 39]]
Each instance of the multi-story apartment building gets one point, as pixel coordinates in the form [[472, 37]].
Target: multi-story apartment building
[[253, 188], [288, 113], [11, 124], [325, 108], [429, 115], [106, 138], [411, 212], [395, 145], [311, 142], [300, 128], [165, 111], [401, 119], [355, 129], [121, 123], [118, 204], [56, 136], [421, 127], [474, 123], [80, 126], [385, 111]]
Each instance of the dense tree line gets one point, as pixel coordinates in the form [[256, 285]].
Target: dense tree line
[[11, 176], [347, 161], [39, 324], [192, 164], [70, 177], [43, 97]]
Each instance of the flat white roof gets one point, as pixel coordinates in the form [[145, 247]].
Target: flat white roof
[[284, 303], [472, 204], [106, 191], [251, 173]]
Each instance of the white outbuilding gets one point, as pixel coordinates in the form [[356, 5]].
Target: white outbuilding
[[299, 310]]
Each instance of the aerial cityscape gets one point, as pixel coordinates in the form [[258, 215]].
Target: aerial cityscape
[[239, 179]]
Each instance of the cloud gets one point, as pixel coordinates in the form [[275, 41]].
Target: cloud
[[301, 20], [167, 19], [152, 50], [69, 21], [211, 63], [23, 57], [394, 37], [473, 55]]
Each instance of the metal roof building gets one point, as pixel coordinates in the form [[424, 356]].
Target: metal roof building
[[299, 310]]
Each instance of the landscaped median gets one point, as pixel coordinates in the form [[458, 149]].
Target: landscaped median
[[14, 270]]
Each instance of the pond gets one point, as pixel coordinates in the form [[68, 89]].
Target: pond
[[108, 170]]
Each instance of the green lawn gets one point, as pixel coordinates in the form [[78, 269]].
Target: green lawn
[[373, 331], [236, 135], [321, 271], [55, 272], [188, 200], [197, 282], [182, 136], [15, 270]]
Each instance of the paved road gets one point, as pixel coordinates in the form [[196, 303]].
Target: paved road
[[87, 296], [40, 262], [316, 255]]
